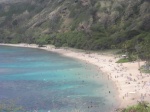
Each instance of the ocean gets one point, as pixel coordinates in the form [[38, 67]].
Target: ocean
[[40, 81]]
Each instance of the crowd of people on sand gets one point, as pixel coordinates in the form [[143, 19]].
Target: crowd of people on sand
[[132, 86]]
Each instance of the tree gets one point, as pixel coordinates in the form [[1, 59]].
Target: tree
[[41, 42], [146, 50]]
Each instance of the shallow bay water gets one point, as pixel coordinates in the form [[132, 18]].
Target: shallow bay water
[[48, 82]]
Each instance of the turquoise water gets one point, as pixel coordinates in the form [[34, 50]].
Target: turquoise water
[[48, 82]]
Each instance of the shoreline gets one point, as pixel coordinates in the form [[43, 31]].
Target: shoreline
[[131, 85]]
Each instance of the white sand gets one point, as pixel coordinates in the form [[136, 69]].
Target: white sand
[[131, 85]]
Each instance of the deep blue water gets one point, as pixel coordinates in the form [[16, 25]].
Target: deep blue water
[[45, 81]]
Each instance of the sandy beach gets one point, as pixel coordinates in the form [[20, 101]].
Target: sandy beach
[[131, 85]]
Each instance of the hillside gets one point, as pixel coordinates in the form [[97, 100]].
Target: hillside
[[84, 24]]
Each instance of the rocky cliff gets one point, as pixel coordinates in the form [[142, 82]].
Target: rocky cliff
[[86, 24]]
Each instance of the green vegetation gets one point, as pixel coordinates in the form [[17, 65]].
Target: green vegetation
[[41, 41], [123, 60], [104, 26], [140, 107]]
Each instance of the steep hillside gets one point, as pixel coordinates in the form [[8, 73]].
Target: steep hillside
[[85, 24]]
